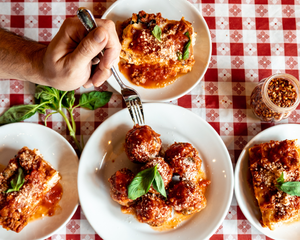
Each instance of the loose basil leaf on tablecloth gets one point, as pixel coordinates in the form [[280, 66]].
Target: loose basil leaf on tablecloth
[[69, 99], [158, 184], [291, 188], [47, 94], [186, 51], [141, 183], [157, 32], [19, 113], [54, 99], [93, 100], [17, 182]]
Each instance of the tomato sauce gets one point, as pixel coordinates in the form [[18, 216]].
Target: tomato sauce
[[50, 204], [155, 76]]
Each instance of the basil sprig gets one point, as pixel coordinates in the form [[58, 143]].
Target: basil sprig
[[291, 188], [141, 183], [17, 182], [186, 51], [179, 56], [157, 32], [48, 98]]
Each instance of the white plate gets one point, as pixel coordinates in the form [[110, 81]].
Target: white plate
[[243, 191], [103, 155], [60, 154], [173, 10]]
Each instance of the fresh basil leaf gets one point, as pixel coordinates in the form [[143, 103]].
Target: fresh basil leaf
[[179, 56], [13, 183], [10, 190], [291, 188], [157, 32], [186, 51], [17, 182], [42, 108], [158, 184], [47, 94], [69, 99], [18, 113], [141, 183], [94, 100], [20, 179], [280, 180]]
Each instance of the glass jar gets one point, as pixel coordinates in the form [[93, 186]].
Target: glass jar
[[275, 97]]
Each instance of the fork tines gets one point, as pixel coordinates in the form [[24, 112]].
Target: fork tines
[[136, 111]]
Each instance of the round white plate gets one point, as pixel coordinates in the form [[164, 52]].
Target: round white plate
[[173, 10], [60, 154], [103, 155], [243, 192]]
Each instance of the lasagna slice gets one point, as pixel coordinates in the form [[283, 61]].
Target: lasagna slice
[[155, 50], [267, 162], [16, 207]]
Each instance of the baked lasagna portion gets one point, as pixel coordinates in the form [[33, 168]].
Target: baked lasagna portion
[[39, 177], [267, 163], [155, 50]]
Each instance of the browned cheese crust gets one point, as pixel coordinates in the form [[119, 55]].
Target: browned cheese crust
[[149, 62], [17, 207], [267, 162]]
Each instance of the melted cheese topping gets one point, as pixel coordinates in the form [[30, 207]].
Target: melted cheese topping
[[150, 62], [17, 207], [267, 162]]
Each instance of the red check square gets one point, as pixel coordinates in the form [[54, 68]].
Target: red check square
[[17, 21], [263, 49], [45, 21], [238, 75], [262, 23], [236, 49], [235, 23], [240, 129], [290, 49], [211, 23], [211, 75], [288, 23]]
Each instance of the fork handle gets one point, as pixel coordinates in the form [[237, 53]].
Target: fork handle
[[88, 21], [87, 18]]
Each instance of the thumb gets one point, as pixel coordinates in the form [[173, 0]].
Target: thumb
[[90, 47]]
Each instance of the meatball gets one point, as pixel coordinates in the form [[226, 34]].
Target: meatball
[[142, 144], [118, 186], [152, 209], [187, 197], [164, 170], [184, 160]]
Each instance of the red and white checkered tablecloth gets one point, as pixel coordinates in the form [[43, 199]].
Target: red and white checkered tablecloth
[[251, 39]]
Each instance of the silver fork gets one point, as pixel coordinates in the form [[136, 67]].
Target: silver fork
[[130, 96]]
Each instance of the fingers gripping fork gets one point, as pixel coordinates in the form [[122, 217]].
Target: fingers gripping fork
[[130, 96]]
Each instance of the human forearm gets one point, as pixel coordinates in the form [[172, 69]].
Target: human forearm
[[20, 58], [66, 63]]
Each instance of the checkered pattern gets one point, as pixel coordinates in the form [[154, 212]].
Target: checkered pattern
[[251, 40]]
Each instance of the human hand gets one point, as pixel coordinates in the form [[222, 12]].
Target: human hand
[[67, 61]]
